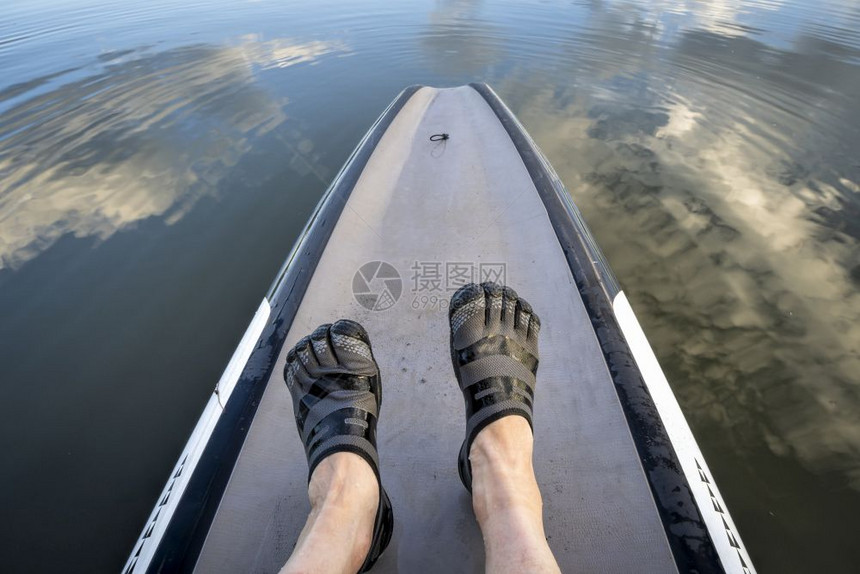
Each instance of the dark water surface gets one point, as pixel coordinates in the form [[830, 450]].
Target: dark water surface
[[158, 159]]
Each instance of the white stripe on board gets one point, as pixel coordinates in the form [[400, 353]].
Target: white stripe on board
[[166, 504], [723, 531]]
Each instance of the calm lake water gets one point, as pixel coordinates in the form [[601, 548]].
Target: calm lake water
[[158, 159]]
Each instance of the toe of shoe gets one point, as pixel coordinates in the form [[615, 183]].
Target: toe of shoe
[[349, 328]]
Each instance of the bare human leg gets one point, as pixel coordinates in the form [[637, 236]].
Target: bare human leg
[[344, 496], [507, 501], [494, 350], [337, 394]]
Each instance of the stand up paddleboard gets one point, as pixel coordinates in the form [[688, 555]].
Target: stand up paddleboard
[[447, 188]]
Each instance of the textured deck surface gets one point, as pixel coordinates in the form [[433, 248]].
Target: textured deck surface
[[467, 200]]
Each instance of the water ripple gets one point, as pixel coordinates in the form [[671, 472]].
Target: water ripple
[[712, 147]]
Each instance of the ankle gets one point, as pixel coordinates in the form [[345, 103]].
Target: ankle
[[344, 490], [504, 447], [344, 497], [503, 480], [343, 480]]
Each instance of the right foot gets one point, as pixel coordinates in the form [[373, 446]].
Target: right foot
[[494, 350], [336, 390]]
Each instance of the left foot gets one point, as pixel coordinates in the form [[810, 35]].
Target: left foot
[[336, 390]]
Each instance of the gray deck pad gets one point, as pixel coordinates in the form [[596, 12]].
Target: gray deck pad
[[468, 200]]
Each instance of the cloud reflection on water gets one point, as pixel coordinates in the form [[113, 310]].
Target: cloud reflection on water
[[147, 137], [732, 223], [711, 147]]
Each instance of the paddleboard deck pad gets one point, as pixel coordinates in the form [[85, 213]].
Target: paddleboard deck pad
[[447, 188]]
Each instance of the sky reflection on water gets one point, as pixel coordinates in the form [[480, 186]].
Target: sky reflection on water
[[99, 154], [157, 160]]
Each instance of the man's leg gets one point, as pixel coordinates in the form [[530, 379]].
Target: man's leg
[[507, 501], [336, 391], [494, 349], [344, 496]]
